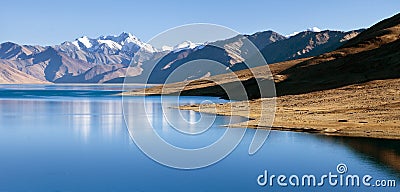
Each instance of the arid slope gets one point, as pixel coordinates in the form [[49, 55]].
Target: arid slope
[[9, 75], [352, 91]]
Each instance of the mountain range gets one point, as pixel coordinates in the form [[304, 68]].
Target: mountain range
[[371, 56], [353, 90], [106, 59]]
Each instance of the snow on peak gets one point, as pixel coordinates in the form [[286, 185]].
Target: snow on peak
[[185, 45], [166, 48], [312, 29], [111, 44], [85, 41], [128, 43], [125, 42], [119, 38]]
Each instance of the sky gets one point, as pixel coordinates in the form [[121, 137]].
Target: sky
[[53, 22]]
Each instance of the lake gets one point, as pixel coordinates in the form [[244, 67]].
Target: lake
[[74, 138]]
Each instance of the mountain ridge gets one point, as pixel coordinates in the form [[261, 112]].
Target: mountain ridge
[[351, 91], [106, 58]]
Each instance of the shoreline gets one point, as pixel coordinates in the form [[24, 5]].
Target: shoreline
[[368, 110], [353, 133]]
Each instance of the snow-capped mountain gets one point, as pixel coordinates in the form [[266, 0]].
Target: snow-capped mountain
[[312, 29], [106, 58], [127, 43], [112, 49], [185, 45], [124, 42]]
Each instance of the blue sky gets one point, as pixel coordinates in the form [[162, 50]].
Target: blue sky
[[53, 22]]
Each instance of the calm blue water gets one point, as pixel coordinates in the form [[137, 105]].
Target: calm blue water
[[63, 138]]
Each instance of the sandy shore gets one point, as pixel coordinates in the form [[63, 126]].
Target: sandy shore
[[352, 91], [362, 110], [369, 109]]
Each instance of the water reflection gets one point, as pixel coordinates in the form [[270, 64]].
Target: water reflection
[[89, 117], [81, 144], [83, 116], [185, 129], [381, 151]]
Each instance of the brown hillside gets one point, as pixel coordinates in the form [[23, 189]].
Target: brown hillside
[[352, 91], [9, 75], [373, 55]]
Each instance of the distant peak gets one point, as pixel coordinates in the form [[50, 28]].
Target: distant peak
[[119, 38], [125, 42], [85, 41], [8, 43], [185, 44], [314, 29], [125, 35], [311, 29]]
